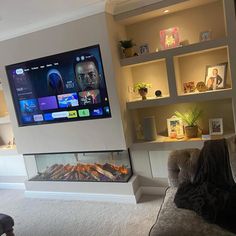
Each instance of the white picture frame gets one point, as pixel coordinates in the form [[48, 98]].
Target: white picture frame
[[175, 127], [144, 48], [205, 35], [216, 126]]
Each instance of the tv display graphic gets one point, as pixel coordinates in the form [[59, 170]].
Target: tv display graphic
[[65, 87], [68, 100], [90, 97]]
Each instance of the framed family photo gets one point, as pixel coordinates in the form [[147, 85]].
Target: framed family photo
[[144, 48], [205, 35], [215, 77], [175, 127], [216, 126]]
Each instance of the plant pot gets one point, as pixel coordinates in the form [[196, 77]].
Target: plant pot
[[191, 131], [129, 52], [143, 92]]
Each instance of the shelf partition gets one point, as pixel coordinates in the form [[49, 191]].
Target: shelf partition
[[183, 50], [163, 143], [184, 98]]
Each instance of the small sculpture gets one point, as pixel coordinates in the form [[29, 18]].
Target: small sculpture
[[158, 93]]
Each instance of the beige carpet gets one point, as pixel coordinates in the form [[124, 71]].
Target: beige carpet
[[40, 217]]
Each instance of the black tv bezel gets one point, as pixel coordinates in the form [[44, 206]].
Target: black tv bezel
[[21, 124]]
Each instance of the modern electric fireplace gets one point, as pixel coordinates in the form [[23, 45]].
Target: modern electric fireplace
[[112, 166]]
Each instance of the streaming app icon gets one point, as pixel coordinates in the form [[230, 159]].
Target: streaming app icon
[[38, 117], [27, 119], [97, 112], [48, 116], [84, 112], [106, 110], [72, 114], [60, 114]]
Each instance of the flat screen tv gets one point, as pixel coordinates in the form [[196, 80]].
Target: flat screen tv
[[64, 87]]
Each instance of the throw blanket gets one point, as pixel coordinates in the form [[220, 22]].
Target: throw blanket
[[212, 194]]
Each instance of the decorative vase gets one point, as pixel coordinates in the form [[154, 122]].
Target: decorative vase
[[143, 92], [191, 131], [129, 52]]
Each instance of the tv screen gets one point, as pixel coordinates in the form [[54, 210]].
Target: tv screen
[[65, 87]]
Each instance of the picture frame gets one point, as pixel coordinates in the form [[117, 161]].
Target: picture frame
[[169, 38], [189, 87], [215, 76], [216, 126], [144, 48], [175, 127], [205, 35]]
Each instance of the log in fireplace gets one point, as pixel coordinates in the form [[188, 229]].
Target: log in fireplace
[[114, 166]]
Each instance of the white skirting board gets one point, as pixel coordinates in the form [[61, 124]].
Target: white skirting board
[[97, 197], [82, 196], [12, 186]]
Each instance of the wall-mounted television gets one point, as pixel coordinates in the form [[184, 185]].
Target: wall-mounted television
[[65, 87]]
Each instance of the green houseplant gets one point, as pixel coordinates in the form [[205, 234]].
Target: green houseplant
[[127, 46], [190, 118], [142, 88]]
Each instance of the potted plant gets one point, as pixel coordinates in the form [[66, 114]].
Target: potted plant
[[142, 88], [190, 119], [127, 46]]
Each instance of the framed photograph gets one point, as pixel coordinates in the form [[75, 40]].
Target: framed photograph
[[216, 126], [215, 77], [169, 38], [189, 87], [144, 48], [205, 35], [175, 127]]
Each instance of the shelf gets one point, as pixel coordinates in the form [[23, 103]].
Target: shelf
[[7, 150], [205, 96], [184, 98], [179, 51], [163, 143], [5, 120], [149, 102]]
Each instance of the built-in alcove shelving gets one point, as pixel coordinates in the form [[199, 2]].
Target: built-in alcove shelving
[[6, 134], [178, 66], [211, 109]]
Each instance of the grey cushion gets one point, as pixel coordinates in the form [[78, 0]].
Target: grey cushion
[[182, 166]]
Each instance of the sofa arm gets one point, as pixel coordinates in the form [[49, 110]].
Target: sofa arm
[[182, 166]]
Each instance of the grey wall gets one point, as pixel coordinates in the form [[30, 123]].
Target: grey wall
[[102, 134]]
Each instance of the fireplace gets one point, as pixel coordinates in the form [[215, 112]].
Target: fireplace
[[112, 166]]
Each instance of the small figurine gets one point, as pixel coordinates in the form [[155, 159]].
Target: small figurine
[[158, 93]]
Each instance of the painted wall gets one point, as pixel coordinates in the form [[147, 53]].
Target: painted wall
[[103, 134], [198, 20]]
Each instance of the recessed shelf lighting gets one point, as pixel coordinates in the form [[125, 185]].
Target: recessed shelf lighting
[[166, 11]]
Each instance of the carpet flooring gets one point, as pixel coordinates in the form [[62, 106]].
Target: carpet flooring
[[40, 217]]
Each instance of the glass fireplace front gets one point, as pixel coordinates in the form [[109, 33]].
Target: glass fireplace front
[[97, 167]]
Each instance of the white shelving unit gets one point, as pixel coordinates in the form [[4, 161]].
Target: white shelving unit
[[143, 25], [8, 150], [5, 120]]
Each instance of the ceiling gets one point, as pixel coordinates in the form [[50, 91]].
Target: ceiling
[[18, 17]]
